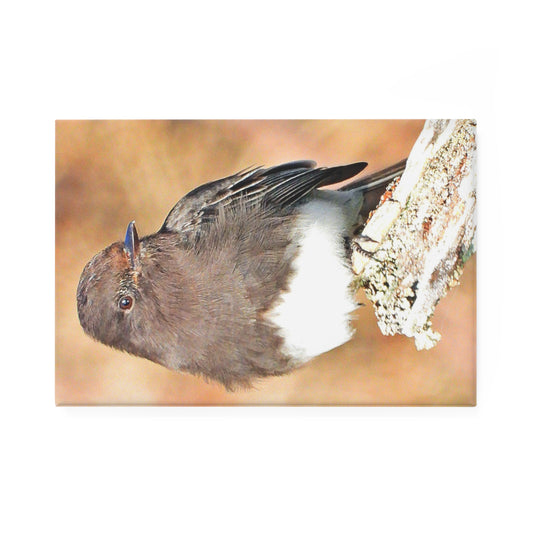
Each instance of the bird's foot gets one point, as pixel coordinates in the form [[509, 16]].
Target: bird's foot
[[359, 241]]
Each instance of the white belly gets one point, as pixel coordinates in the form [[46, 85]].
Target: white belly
[[315, 313]]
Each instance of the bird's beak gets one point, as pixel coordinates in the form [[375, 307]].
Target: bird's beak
[[132, 246]]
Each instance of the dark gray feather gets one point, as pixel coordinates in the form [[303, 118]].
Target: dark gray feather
[[281, 186]]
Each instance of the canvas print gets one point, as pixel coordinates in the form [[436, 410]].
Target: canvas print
[[265, 262]]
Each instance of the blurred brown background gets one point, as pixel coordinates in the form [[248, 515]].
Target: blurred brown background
[[111, 172]]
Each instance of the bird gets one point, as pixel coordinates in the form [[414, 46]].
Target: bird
[[248, 277]]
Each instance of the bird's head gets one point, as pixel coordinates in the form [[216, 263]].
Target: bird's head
[[111, 294]]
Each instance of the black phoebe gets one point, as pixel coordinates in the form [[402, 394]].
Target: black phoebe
[[249, 275]]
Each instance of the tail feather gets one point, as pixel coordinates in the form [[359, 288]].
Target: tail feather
[[378, 179], [373, 186]]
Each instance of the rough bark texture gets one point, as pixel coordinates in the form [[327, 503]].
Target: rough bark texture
[[424, 230]]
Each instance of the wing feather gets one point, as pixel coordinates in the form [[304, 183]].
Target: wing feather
[[282, 186]]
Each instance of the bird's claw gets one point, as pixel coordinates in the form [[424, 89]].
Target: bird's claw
[[361, 239]]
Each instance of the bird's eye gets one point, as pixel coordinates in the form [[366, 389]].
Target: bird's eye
[[125, 303]]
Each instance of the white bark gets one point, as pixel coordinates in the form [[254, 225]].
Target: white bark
[[425, 231]]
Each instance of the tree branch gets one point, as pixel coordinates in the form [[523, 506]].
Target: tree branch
[[424, 230]]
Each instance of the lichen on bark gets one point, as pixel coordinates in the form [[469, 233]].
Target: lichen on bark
[[424, 231]]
